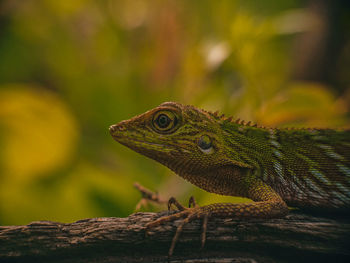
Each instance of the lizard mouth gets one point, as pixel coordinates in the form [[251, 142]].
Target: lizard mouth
[[146, 145], [129, 141], [119, 134]]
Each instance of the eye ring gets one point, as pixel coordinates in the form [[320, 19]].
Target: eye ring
[[164, 121], [205, 144]]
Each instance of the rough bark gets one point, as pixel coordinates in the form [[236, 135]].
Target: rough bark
[[297, 237]]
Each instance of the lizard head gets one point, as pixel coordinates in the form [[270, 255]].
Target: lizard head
[[181, 137]]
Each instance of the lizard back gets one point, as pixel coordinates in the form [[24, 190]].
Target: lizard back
[[309, 168]]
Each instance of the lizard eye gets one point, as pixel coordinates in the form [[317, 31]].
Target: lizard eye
[[205, 144], [164, 121]]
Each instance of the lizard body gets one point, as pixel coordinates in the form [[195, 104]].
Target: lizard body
[[305, 168]]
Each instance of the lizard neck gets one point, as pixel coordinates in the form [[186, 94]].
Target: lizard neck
[[225, 180]]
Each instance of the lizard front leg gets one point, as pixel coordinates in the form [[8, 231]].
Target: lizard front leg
[[267, 204]]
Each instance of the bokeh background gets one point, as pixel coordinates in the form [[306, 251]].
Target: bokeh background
[[70, 69]]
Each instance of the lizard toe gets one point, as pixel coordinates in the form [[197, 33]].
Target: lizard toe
[[187, 215]]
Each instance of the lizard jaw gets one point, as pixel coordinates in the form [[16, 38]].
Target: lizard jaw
[[138, 143]]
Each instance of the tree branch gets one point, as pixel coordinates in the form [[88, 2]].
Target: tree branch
[[296, 237]]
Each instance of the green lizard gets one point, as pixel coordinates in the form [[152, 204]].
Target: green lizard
[[305, 168]]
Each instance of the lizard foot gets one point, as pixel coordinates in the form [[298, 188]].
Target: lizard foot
[[188, 214], [148, 196]]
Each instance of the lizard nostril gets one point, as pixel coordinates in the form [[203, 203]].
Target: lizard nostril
[[121, 127], [117, 127]]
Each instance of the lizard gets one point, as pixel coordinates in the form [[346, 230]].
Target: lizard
[[274, 167]]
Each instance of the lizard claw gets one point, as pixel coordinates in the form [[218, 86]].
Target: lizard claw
[[192, 202], [173, 201]]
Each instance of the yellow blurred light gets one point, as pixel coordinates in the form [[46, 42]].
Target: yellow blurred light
[[39, 133]]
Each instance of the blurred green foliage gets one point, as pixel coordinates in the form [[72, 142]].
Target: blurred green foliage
[[69, 69]]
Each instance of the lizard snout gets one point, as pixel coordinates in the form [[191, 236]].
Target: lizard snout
[[112, 128], [117, 127]]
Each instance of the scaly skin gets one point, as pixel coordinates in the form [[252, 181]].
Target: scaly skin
[[305, 168]]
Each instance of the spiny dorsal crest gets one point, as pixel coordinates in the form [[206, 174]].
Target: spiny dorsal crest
[[230, 119]]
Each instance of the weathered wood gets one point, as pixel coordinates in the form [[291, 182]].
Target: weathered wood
[[297, 237]]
